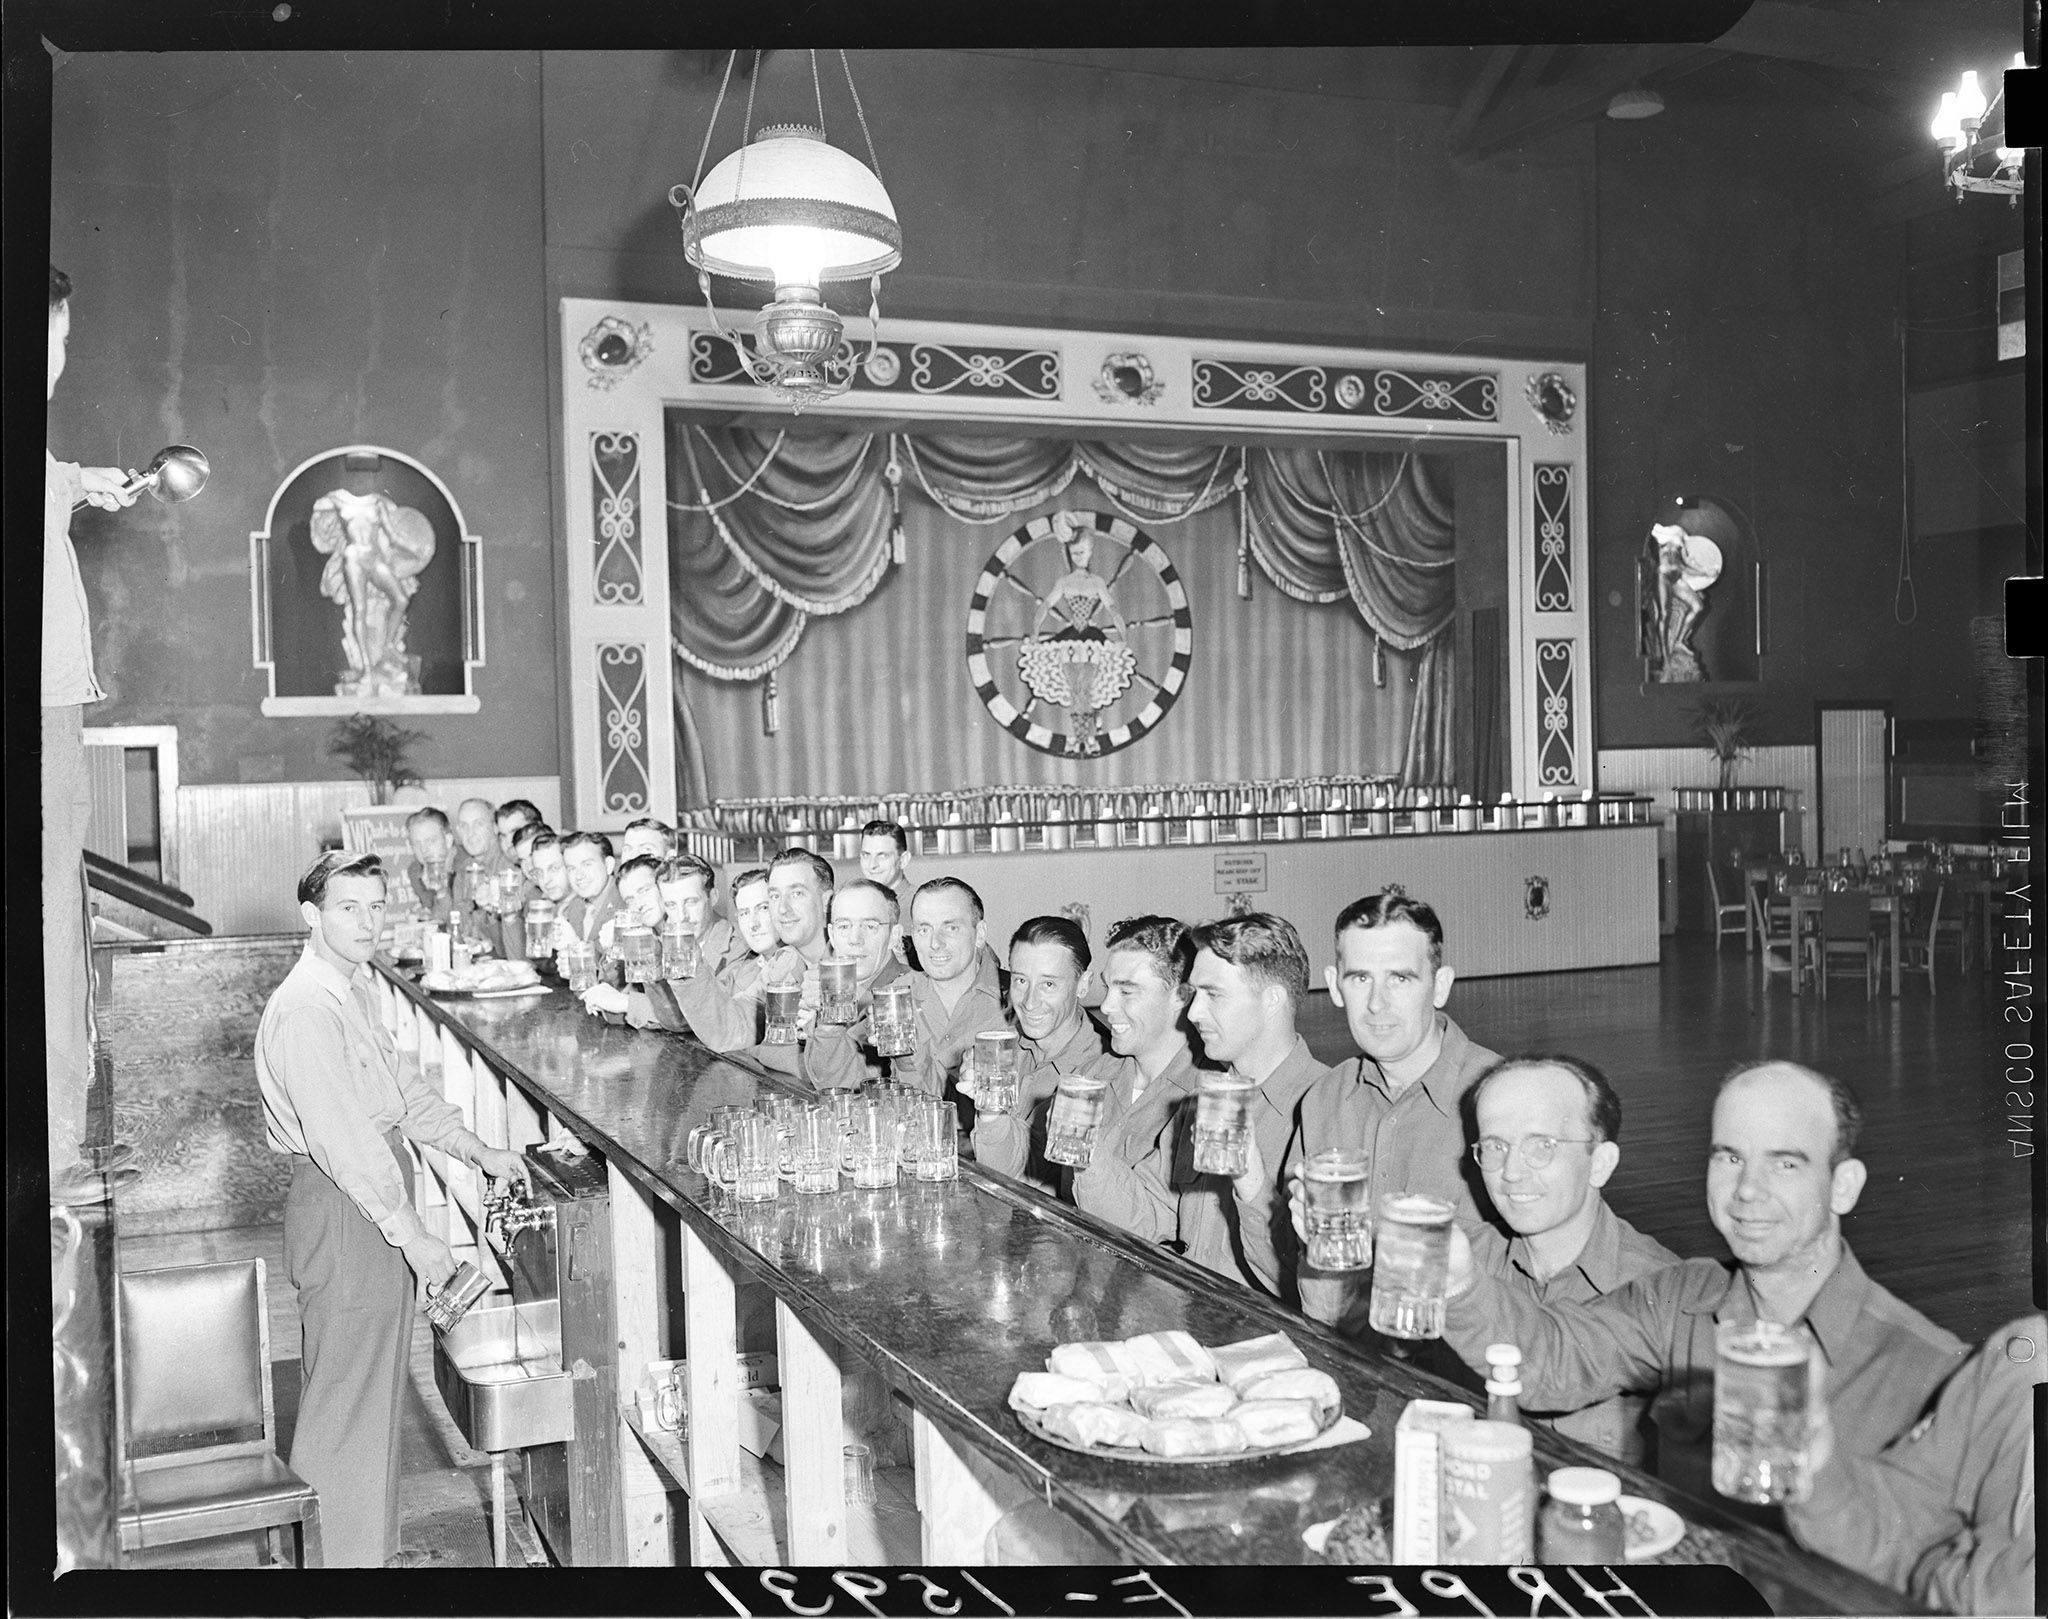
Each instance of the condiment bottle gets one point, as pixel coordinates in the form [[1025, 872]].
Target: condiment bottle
[[1581, 1521], [1503, 1383]]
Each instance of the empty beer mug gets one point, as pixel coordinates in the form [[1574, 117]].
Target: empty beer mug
[[995, 1071], [1336, 1187], [1075, 1120], [746, 1162], [892, 1021], [718, 1126], [871, 1147], [1223, 1128], [837, 977], [781, 1003], [935, 1137], [815, 1145]]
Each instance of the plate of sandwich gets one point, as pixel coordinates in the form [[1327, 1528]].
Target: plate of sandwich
[[1164, 1399]]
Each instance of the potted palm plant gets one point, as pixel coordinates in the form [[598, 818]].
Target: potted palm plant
[[1728, 726], [380, 753]]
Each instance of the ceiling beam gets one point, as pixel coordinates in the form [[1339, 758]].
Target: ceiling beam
[[1805, 33], [1479, 96], [1530, 114]]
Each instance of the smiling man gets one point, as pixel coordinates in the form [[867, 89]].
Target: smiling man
[[721, 1003], [340, 1095], [865, 930], [1781, 1173], [1049, 960], [550, 867], [1549, 1139], [1130, 1180], [593, 896], [958, 990], [477, 860]]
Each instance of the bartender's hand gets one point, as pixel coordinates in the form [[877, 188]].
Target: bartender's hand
[[107, 487], [430, 1258], [503, 1164], [604, 998]]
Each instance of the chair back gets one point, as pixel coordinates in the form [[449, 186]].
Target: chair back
[[1845, 916], [194, 1349], [1934, 913], [1713, 882]]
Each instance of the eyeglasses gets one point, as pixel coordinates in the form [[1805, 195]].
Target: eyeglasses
[[1490, 1152]]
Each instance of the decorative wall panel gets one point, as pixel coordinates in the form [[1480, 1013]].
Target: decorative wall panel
[[1329, 390], [618, 579], [1557, 733], [909, 368], [1553, 526], [623, 771]]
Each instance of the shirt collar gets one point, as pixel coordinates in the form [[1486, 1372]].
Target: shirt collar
[[328, 976], [1832, 1315], [1439, 1082], [1074, 1051], [1284, 1084], [1598, 1258]]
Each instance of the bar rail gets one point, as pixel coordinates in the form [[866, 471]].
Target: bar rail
[[947, 1292]]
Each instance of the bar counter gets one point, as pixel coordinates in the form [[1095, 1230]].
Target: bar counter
[[949, 1291]]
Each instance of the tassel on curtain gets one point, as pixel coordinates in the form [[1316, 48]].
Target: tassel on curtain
[[771, 706], [1379, 661], [898, 553], [1242, 485]]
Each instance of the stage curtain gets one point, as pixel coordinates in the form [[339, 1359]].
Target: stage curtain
[[772, 527]]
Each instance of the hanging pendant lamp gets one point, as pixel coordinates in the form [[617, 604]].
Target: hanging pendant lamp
[[790, 210]]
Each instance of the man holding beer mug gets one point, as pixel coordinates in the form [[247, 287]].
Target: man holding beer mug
[[864, 930], [1781, 1173], [721, 1004]]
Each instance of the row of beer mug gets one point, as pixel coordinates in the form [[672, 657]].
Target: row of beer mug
[[748, 1150]]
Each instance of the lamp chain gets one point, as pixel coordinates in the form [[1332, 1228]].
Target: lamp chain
[[704, 151], [874, 162], [818, 90]]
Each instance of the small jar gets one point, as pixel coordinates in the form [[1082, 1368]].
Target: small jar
[[1582, 1521]]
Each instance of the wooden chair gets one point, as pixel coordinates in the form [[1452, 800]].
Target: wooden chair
[[1916, 953], [1774, 915], [1738, 909], [197, 1429], [1845, 933]]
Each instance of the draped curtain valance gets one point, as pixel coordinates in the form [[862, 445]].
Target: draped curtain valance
[[771, 526]]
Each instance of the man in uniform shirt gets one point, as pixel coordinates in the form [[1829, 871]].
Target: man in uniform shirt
[[509, 817], [1781, 1173], [721, 1005], [477, 863], [1400, 1100], [1049, 960], [649, 837], [1945, 1514], [885, 857], [864, 929], [687, 887], [958, 989], [593, 896], [427, 875], [340, 1095], [1130, 1179], [1249, 975], [550, 868], [1549, 1139]]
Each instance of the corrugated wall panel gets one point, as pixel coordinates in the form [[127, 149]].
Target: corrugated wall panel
[[106, 775], [244, 846], [1853, 759]]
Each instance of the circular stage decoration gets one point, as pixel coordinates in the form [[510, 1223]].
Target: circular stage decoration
[[1079, 634]]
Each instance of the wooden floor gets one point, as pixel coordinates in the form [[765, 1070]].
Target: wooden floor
[[1944, 1220]]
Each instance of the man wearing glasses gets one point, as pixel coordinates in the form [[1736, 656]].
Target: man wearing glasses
[[1549, 1130], [864, 928]]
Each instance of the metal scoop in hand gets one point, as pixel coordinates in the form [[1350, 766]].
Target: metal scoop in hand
[[176, 473]]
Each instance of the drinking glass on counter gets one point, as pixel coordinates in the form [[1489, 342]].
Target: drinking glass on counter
[[679, 954], [540, 928], [578, 961], [639, 954], [1411, 1265], [814, 1150], [746, 1161], [860, 1476], [837, 978], [1076, 1119], [871, 1146], [782, 1003], [505, 888], [698, 1143], [1764, 1411], [1337, 1185], [934, 1139], [892, 1021], [995, 1071], [1223, 1127]]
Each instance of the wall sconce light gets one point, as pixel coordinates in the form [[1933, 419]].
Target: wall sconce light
[[1971, 133], [789, 209]]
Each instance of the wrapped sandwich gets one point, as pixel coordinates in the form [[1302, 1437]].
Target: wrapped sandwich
[[1241, 1363], [1193, 1436], [1182, 1400], [1093, 1423], [1304, 1383], [1100, 1363], [1170, 1357], [1277, 1422], [1035, 1391]]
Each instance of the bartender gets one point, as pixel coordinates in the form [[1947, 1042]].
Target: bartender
[[340, 1096]]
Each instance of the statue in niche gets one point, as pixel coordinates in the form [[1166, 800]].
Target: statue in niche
[[374, 548], [1684, 566]]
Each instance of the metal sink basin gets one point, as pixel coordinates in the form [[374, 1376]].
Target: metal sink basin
[[500, 1375]]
